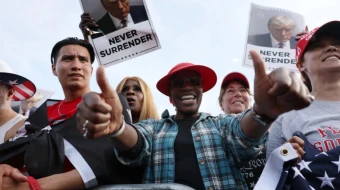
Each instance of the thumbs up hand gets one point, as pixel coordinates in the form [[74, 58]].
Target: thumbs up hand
[[100, 114], [278, 92]]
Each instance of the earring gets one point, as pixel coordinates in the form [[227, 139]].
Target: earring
[[302, 69]]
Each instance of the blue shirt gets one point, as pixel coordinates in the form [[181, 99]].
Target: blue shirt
[[220, 144]]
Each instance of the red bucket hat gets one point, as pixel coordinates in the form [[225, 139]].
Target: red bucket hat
[[235, 76], [209, 77], [331, 28]]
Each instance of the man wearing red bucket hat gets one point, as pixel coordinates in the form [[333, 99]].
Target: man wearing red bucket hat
[[191, 148], [13, 87]]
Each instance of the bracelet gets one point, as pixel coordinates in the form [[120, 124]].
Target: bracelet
[[120, 131], [264, 121], [33, 183]]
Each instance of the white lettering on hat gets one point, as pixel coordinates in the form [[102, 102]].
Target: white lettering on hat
[[298, 51], [310, 34]]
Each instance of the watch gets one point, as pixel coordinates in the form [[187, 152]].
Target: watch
[[263, 120]]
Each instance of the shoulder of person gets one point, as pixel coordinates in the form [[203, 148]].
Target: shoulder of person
[[288, 116], [219, 121], [149, 124]]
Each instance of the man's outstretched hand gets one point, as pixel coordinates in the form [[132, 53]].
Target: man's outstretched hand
[[277, 92], [101, 112]]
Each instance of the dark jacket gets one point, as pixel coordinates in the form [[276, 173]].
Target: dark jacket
[[264, 40], [138, 14]]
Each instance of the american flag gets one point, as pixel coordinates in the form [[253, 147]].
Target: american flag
[[316, 170], [23, 87]]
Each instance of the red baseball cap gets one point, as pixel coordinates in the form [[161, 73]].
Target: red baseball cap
[[330, 28], [235, 76], [209, 77]]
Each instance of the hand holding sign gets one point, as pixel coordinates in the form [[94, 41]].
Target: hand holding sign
[[278, 92], [100, 113], [87, 23]]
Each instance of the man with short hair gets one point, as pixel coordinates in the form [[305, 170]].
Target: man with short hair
[[193, 148], [280, 34], [66, 160], [12, 87]]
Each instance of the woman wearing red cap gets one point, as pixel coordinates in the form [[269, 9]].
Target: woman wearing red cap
[[234, 98], [234, 93], [318, 59]]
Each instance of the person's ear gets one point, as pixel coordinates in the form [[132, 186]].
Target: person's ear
[[221, 106], [10, 93], [171, 101], [300, 67], [54, 69]]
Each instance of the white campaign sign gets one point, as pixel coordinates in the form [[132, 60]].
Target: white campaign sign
[[272, 32], [124, 44]]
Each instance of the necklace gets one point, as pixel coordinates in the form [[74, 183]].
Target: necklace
[[60, 106]]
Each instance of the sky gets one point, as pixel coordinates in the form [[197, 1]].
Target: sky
[[207, 32]]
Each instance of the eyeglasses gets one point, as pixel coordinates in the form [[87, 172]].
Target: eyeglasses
[[192, 81]]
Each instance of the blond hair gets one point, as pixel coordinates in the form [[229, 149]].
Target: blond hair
[[149, 109]]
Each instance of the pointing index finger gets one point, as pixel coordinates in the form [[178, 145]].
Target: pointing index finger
[[259, 67], [110, 96]]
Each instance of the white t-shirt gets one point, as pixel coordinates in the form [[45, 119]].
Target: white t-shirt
[[8, 125]]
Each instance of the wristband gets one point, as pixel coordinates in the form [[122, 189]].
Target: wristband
[[264, 121], [33, 183], [120, 131]]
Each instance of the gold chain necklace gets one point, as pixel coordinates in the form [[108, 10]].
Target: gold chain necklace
[[60, 106]]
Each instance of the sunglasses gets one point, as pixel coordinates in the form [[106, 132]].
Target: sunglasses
[[192, 81]]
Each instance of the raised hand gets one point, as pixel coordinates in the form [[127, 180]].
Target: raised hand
[[278, 92], [100, 113], [86, 24]]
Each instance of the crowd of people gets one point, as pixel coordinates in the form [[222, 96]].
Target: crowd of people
[[90, 139]]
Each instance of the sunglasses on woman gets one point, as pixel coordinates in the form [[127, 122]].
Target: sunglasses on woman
[[192, 81]]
